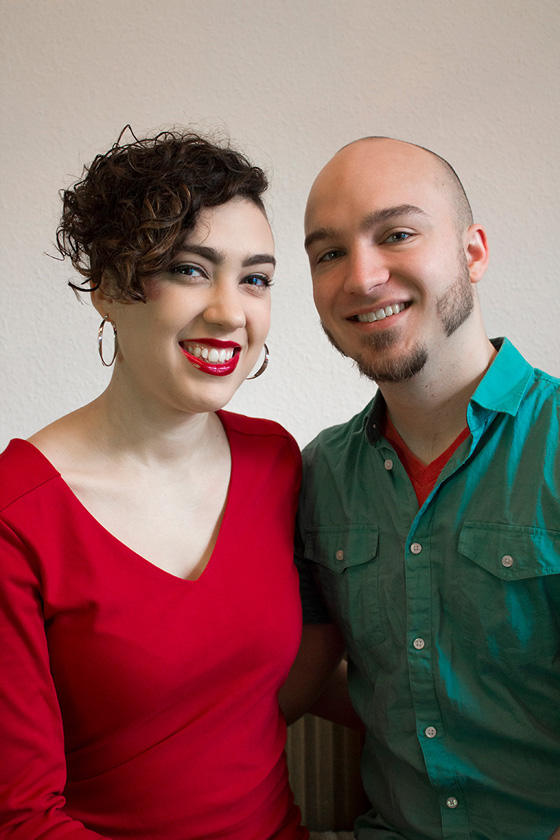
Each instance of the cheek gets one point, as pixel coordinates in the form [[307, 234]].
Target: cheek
[[429, 270], [260, 318], [323, 298]]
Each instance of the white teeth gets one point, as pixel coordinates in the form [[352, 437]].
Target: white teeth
[[380, 314], [212, 354]]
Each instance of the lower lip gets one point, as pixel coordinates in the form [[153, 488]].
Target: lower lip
[[223, 369]]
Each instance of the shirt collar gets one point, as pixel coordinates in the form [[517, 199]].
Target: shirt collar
[[505, 381], [500, 390]]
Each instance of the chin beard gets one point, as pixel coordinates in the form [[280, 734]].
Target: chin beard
[[398, 370], [385, 370]]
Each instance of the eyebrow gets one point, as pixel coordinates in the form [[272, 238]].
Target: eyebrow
[[219, 257], [389, 213], [258, 259], [369, 221]]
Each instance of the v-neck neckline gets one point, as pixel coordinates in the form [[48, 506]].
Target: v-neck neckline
[[224, 524]]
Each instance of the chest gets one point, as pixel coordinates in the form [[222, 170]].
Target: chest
[[478, 562], [172, 523], [114, 619]]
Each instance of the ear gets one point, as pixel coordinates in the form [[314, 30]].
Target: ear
[[102, 302], [476, 251]]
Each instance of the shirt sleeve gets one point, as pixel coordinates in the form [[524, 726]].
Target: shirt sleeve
[[33, 766], [313, 606]]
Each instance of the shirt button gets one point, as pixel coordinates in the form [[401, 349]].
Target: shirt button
[[507, 560], [388, 464], [451, 802], [416, 548], [418, 643], [430, 732], [340, 554]]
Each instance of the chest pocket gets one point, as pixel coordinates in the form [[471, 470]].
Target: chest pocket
[[347, 568], [509, 589]]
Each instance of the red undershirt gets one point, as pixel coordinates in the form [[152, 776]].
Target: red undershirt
[[423, 476]]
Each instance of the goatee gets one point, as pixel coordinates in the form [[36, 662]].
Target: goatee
[[453, 308], [389, 370]]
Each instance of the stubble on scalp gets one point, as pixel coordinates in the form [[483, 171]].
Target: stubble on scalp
[[446, 177]]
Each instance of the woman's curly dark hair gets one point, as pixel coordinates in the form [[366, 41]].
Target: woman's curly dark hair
[[125, 220]]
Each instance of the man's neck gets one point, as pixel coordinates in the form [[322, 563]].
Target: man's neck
[[429, 411]]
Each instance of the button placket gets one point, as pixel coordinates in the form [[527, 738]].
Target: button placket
[[431, 739]]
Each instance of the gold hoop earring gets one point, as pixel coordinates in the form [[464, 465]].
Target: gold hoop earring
[[100, 341], [264, 365]]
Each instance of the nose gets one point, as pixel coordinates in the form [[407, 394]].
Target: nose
[[225, 307], [366, 269]]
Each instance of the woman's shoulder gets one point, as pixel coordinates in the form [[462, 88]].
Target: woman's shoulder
[[23, 469], [270, 433], [27, 465], [258, 426]]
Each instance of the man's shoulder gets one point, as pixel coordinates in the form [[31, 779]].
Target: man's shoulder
[[512, 385], [541, 394], [547, 382], [341, 438]]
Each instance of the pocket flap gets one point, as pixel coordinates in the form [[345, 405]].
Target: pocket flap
[[339, 548], [511, 552]]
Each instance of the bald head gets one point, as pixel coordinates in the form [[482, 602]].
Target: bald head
[[448, 177], [364, 157], [388, 227]]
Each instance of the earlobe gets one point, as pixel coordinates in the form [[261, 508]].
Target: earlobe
[[476, 250], [102, 302]]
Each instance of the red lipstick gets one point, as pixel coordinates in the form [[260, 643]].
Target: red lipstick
[[212, 368]]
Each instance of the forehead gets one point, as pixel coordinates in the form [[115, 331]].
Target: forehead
[[239, 220], [373, 175]]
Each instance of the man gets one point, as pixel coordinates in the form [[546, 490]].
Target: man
[[431, 520]]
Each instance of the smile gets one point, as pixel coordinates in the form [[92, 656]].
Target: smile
[[216, 358], [210, 354], [380, 314]]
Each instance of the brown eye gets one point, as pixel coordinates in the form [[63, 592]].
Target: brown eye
[[329, 255]]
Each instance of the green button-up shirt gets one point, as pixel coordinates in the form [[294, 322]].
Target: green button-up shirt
[[451, 613]]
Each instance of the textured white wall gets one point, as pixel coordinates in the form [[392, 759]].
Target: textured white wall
[[477, 81]]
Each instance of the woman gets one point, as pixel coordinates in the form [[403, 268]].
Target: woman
[[149, 604]]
